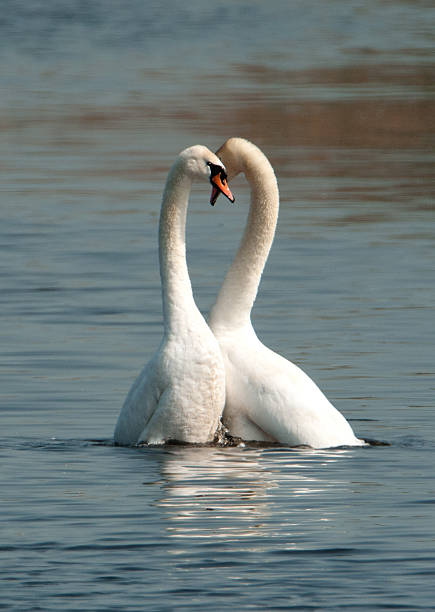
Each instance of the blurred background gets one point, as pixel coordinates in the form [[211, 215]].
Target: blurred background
[[98, 97]]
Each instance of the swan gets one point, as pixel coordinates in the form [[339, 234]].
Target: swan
[[180, 393], [267, 397]]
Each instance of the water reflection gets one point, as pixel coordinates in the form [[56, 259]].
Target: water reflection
[[208, 489], [237, 493]]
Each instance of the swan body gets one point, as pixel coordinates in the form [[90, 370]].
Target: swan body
[[180, 393], [268, 398]]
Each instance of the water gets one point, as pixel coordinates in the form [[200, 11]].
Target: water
[[96, 100]]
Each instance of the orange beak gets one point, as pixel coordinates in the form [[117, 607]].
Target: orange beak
[[220, 185]]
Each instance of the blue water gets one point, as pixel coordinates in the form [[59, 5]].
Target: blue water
[[97, 98]]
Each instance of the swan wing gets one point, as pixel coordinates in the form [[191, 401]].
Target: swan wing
[[282, 401], [140, 404]]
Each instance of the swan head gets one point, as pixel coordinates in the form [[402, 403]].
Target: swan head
[[201, 163], [241, 156], [233, 154]]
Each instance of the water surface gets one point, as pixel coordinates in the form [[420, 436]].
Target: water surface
[[96, 101]]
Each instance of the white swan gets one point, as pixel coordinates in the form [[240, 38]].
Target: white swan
[[267, 397], [180, 394]]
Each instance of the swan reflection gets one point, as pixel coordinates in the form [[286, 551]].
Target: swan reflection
[[234, 493], [206, 488]]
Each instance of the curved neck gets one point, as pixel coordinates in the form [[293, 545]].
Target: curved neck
[[238, 292], [177, 294]]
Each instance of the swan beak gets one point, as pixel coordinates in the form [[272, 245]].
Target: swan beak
[[220, 185]]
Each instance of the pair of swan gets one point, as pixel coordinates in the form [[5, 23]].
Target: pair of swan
[[201, 372]]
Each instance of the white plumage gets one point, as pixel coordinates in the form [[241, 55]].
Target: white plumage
[[180, 394], [267, 397]]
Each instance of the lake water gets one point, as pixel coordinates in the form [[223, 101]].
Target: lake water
[[96, 100]]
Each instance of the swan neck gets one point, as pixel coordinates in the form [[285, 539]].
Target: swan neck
[[177, 294], [238, 292]]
